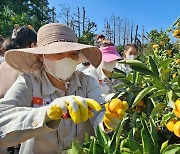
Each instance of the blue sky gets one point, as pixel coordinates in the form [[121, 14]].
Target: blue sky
[[152, 14]]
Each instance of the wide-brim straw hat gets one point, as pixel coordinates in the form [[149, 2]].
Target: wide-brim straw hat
[[52, 38]]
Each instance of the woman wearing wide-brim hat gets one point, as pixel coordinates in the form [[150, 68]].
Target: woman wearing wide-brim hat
[[50, 103], [44, 107]]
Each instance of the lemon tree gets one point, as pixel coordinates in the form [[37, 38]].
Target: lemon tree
[[152, 93]]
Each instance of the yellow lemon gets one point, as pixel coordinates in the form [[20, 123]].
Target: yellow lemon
[[155, 52], [162, 43], [170, 124], [125, 105], [174, 75], [155, 46], [115, 105], [177, 105], [178, 61], [176, 33], [169, 52], [140, 103], [177, 128], [121, 113]]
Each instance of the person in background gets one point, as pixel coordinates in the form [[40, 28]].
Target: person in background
[[51, 104], [97, 43], [99, 39], [82, 66], [103, 73], [22, 37], [130, 53], [1, 53]]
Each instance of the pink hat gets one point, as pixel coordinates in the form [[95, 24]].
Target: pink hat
[[109, 53]]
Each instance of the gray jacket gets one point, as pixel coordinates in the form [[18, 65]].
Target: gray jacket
[[23, 110]]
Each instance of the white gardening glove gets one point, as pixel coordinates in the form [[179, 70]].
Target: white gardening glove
[[75, 107]]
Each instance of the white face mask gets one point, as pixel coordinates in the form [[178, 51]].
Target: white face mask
[[61, 69], [130, 57], [108, 65]]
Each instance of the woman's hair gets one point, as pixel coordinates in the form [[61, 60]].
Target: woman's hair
[[7, 45], [127, 46], [106, 43], [24, 36], [100, 36], [1, 39]]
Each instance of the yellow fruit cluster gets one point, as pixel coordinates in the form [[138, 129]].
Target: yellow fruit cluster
[[177, 108], [161, 43], [169, 52], [117, 107], [173, 125], [155, 46], [155, 51], [140, 106], [178, 61], [176, 33], [174, 75]]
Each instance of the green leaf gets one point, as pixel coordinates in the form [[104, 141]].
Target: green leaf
[[127, 82], [172, 149], [86, 137], [154, 135], [164, 73], [131, 133], [131, 145], [158, 108], [137, 152], [76, 148], [101, 137], [92, 148], [129, 77], [164, 146], [120, 86], [157, 83], [135, 63], [135, 77], [141, 95], [165, 118], [165, 62], [117, 75], [147, 142], [144, 71], [169, 98], [153, 66], [119, 71], [114, 143], [158, 93]]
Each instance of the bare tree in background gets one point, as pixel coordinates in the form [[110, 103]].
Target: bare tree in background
[[142, 39], [124, 30], [136, 34], [107, 30], [132, 31], [53, 15], [114, 25], [119, 30], [65, 14], [83, 19], [77, 20]]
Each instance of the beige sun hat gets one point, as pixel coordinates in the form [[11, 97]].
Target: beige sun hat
[[51, 39]]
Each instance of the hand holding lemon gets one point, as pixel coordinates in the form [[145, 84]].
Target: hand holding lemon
[[115, 111]]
